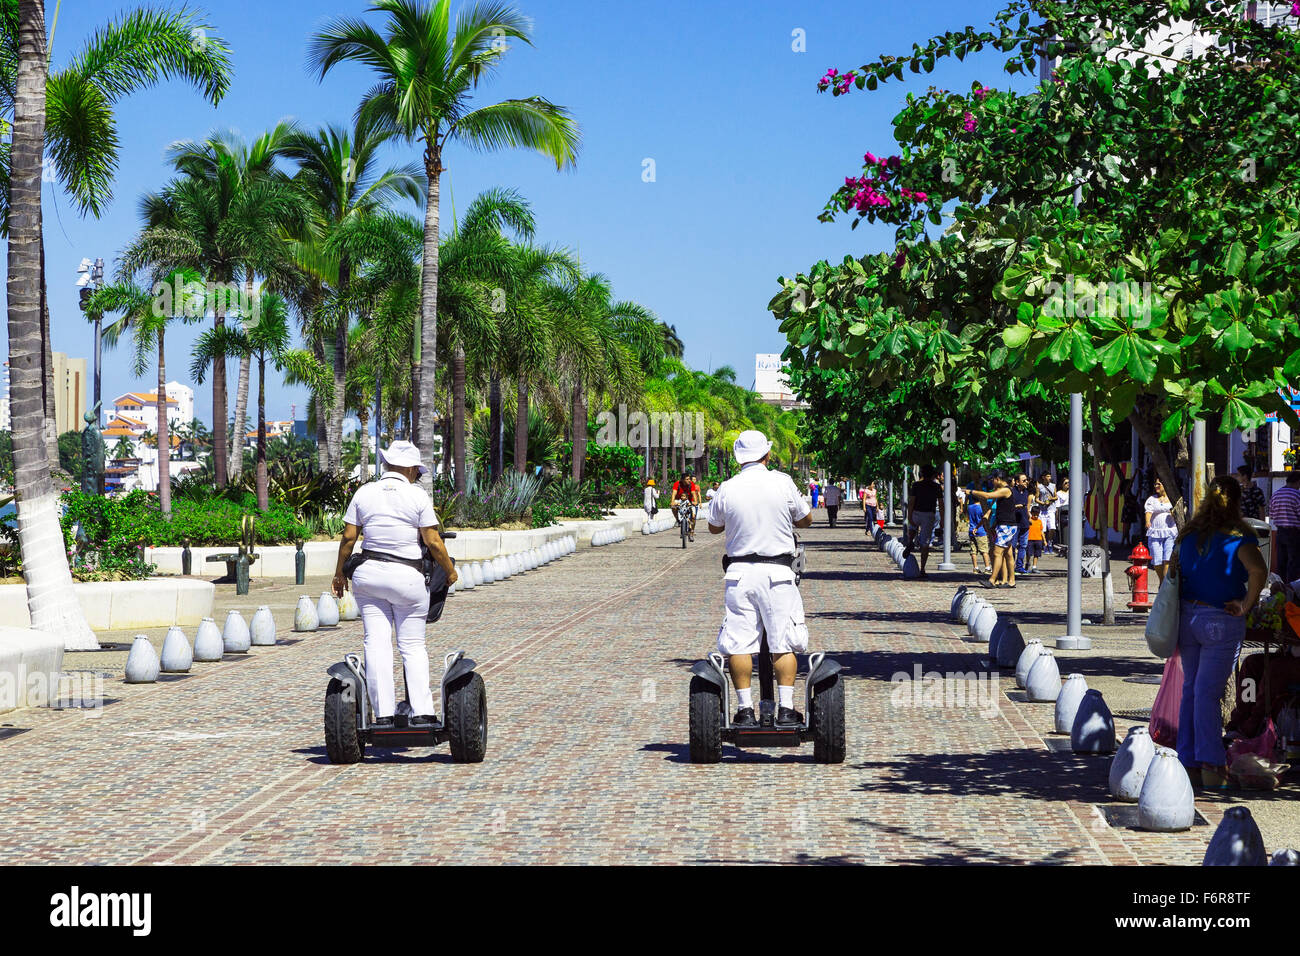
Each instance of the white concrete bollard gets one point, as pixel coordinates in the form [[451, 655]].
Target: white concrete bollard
[[1026, 660], [911, 568], [466, 572], [234, 636], [968, 605], [956, 602], [142, 665], [1236, 841], [982, 624], [1067, 702], [488, 571], [349, 609], [304, 615], [1043, 681], [1166, 803], [1284, 858], [327, 610], [1128, 768], [1094, 727], [262, 629], [1010, 646], [177, 657], [207, 641]]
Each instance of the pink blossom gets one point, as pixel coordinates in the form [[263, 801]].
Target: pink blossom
[[968, 123], [1295, 9], [981, 92], [869, 159]]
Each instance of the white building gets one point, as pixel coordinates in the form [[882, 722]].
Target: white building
[[772, 383]]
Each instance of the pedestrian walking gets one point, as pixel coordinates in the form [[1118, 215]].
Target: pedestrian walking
[[1020, 497], [979, 536], [923, 504], [1161, 529], [834, 494], [869, 506], [1005, 529], [814, 489], [1047, 508], [650, 498], [1221, 574], [1284, 507]]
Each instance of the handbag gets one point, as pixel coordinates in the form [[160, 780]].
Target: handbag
[[1162, 621], [1163, 725]]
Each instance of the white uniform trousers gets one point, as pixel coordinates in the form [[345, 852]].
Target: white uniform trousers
[[762, 595], [394, 601]]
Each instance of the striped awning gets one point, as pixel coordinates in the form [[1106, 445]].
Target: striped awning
[[1111, 499]]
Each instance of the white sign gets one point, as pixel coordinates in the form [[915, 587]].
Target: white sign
[[769, 375]]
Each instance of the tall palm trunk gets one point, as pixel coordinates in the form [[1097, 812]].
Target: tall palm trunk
[[521, 427], [496, 462], [447, 456], [457, 416], [48, 383], [322, 433], [164, 439], [263, 497], [579, 429], [340, 366], [426, 409], [241, 392], [220, 446], [51, 602]]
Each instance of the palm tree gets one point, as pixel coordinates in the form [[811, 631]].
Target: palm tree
[[225, 216], [147, 321], [338, 178], [427, 72], [266, 339], [128, 54]]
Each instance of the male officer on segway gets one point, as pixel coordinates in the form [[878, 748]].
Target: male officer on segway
[[396, 517], [759, 510]]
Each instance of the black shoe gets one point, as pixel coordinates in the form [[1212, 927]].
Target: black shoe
[[788, 716], [745, 718], [422, 720], [383, 723]]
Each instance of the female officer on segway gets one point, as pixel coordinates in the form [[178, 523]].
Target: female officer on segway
[[396, 517]]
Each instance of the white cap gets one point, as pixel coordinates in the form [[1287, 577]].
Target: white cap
[[402, 454], [751, 446]]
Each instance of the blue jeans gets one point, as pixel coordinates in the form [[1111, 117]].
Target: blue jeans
[[1022, 549], [870, 516], [1209, 640]]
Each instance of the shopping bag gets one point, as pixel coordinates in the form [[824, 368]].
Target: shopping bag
[[1264, 745], [1169, 698], [1162, 620]]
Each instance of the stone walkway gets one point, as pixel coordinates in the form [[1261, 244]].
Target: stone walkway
[[586, 664]]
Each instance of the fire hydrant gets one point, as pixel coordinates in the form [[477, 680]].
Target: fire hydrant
[[1137, 576]]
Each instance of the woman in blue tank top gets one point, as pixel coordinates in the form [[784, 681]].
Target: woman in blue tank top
[[1221, 574]]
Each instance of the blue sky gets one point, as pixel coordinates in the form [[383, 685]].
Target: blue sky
[[745, 150]]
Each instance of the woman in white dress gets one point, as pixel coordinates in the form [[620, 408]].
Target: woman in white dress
[[1161, 529]]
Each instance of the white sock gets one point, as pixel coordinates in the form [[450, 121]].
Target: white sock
[[745, 698], [785, 695]]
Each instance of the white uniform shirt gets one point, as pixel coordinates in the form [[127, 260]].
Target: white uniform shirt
[[711, 494], [650, 497], [758, 508], [390, 513]]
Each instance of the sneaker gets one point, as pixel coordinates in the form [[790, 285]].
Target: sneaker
[[745, 718], [383, 723], [788, 716]]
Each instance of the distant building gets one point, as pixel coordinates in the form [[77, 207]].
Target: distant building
[[70, 390], [772, 384]]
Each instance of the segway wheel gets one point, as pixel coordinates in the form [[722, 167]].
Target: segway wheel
[[706, 721], [467, 719], [828, 721], [342, 745]]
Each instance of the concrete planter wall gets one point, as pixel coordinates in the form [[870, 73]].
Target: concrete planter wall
[[1236, 841], [1166, 803], [1128, 771], [121, 605], [30, 663], [1067, 702]]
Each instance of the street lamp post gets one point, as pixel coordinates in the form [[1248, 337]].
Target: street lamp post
[[92, 279], [946, 564]]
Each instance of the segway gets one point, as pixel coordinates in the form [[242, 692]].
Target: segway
[[350, 721], [711, 707]]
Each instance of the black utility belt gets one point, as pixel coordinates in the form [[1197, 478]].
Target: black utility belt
[[786, 560], [352, 563]]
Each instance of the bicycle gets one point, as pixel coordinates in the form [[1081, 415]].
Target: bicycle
[[685, 515]]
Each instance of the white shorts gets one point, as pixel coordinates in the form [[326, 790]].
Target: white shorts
[[762, 595], [1049, 519]]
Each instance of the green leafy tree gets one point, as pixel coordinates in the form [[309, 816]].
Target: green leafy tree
[[70, 454]]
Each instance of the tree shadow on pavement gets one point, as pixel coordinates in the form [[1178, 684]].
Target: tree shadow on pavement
[[959, 854], [1034, 774]]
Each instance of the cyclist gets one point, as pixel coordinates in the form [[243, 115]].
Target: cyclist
[[686, 490]]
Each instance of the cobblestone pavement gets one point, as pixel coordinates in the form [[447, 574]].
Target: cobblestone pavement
[[586, 664]]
